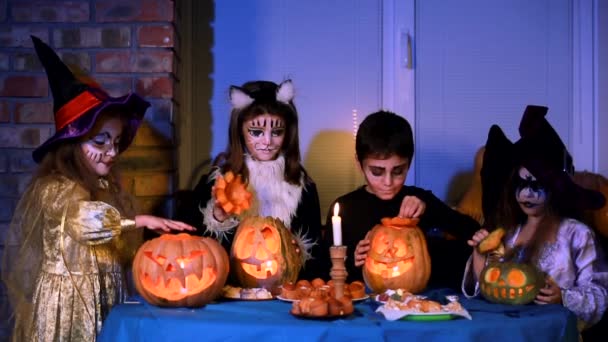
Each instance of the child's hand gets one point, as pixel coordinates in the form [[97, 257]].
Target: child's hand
[[411, 206], [550, 294], [158, 223], [218, 213], [361, 251], [479, 259], [477, 237]]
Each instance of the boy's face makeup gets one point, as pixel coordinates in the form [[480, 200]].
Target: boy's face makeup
[[101, 145], [264, 136], [529, 193], [385, 177]]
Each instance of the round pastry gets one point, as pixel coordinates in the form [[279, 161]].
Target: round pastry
[[303, 282], [340, 307], [295, 308], [289, 291], [317, 282], [303, 291], [319, 293], [318, 308], [357, 289]]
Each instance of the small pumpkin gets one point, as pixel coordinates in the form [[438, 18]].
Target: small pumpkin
[[231, 193], [492, 241], [180, 270], [398, 257], [263, 255], [510, 282]]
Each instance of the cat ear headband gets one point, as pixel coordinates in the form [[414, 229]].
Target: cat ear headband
[[240, 99]]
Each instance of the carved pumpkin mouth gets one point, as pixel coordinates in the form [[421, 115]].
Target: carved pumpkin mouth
[[173, 289], [391, 269], [261, 270], [511, 286]]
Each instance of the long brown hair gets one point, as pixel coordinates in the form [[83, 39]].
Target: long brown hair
[[510, 216], [67, 159], [233, 158]]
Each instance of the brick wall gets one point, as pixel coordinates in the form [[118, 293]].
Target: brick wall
[[125, 45]]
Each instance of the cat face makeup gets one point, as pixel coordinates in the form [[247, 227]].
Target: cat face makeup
[[264, 136], [530, 193], [102, 145]]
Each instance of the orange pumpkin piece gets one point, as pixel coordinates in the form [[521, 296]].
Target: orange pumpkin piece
[[231, 193], [492, 241], [399, 221]]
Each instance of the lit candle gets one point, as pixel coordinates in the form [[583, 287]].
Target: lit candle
[[336, 223], [395, 271]]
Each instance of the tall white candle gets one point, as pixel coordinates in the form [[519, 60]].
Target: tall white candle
[[336, 224]]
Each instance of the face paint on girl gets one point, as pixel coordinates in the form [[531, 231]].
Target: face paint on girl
[[101, 148], [264, 136], [530, 193]]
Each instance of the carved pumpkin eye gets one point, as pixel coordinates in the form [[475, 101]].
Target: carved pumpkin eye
[[516, 278], [400, 248], [492, 275], [180, 270], [159, 259]]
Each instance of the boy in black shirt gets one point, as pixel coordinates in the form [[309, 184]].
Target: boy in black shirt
[[385, 147]]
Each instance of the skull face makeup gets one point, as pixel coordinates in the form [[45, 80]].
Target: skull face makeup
[[101, 145], [530, 193], [264, 136]]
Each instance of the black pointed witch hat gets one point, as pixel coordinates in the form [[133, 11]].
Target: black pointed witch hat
[[77, 104], [543, 153]]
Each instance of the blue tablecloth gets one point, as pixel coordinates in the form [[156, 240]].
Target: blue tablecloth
[[271, 321]]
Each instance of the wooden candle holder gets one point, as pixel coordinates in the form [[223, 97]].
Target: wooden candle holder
[[338, 270]]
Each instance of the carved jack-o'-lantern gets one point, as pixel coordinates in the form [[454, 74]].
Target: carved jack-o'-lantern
[[263, 255], [180, 270], [510, 282], [398, 257]]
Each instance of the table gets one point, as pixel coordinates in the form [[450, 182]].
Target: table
[[271, 321]]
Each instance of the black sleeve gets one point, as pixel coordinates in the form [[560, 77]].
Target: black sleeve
[[308, 221], [189, 205], [440, 215]]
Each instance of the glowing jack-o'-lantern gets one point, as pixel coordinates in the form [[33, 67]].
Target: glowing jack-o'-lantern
[[510, 282], [180, 270], [263, 255], [398, 257]]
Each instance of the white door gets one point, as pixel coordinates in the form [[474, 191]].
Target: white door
[[479, 63]]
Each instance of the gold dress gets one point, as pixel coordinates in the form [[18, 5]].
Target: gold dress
[[63, 264]]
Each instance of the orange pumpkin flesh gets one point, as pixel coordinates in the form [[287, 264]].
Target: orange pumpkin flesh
[[180, 270], [492, 241], [398, 257], [231, 193], [263, 255]]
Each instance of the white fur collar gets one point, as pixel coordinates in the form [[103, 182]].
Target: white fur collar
[[274, 196]]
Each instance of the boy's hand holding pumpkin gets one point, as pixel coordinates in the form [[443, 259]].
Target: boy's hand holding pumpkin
[[361, 251]]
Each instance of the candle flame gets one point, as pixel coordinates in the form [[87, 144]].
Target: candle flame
[[181, 263], [336, 209]]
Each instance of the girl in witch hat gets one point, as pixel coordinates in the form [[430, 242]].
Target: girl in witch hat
[[263, 148], [75, 227], [539, 207]]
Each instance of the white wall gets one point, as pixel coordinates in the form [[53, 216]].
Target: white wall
[[602, 85], [332, 52]]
